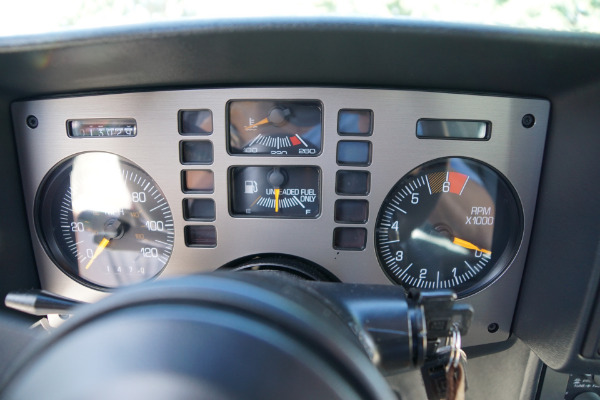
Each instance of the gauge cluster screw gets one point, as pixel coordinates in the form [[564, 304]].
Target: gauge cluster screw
[[528, 120], [32, 121]]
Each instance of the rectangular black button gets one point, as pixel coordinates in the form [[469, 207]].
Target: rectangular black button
[[200, 236], [352, 182], [196, 152], [195, 122], [351, 211], [349, 238], [351, 152], [198, 181], [355, 122], [199, 209]]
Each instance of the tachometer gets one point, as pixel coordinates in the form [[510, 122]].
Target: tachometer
[[452, 223], [104, 221]]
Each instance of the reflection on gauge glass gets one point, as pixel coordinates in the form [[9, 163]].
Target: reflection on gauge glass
[[275, 127], [275, 192], [452, 223], [104, 221]]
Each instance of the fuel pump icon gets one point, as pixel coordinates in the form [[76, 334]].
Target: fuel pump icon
[[250, 187]]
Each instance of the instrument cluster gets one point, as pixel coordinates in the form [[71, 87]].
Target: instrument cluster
[[422, 190]]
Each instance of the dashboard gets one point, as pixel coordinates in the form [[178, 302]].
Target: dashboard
[[517, 112]]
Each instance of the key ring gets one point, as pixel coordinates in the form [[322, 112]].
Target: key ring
[[455, 345]]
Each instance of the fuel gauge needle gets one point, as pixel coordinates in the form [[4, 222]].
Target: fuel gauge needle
[[277, 191], [98, 251], [469, 245]]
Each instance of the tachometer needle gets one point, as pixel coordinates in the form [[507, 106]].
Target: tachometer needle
[[277, 199], [261, 122], [98, 251], [469, 245]]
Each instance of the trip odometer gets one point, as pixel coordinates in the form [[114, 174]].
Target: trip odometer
[[104, 221], [451, 223]]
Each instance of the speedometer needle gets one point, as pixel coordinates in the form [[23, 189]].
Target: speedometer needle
[[277, 199], [98, 251], [469, 245]]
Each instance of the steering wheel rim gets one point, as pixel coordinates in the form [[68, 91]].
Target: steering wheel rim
[[226, 309]]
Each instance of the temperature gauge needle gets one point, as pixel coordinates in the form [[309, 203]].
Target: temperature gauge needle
[[98, 251], [261, 122], [469, 245], [277, 191]]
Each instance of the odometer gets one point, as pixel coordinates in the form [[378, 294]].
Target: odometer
[[452, 223], [104, 221]]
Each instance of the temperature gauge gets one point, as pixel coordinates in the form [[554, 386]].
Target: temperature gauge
[[277, 128], [275, 192]]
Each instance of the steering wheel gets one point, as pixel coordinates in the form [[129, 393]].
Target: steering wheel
[[221, 336]]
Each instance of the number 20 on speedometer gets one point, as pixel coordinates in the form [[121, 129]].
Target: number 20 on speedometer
[[451, 223]]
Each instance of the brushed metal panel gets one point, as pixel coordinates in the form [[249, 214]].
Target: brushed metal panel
[[513, 150]]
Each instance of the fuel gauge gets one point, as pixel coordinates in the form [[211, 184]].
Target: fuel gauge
[[275, 192], [275, 127]]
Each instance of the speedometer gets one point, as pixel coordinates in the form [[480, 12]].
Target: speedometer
[[104, 221], [452, 223]]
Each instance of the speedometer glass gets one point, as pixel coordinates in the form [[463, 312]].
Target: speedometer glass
[[451, 223], [104, 221]]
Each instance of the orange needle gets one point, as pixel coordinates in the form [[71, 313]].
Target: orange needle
[[254, 202], [99, 250], [469, 245], [261, 122], [277, 200]]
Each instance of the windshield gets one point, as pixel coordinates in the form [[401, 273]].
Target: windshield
[[24, 17]]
